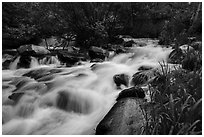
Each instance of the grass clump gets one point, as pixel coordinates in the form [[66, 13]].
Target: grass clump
[[176, 103]]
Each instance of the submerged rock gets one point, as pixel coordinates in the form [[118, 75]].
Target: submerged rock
[[37, 73], [72, 103], [124, 118], [131, 92]]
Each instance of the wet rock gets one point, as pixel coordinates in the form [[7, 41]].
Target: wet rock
[[46, 78], [120, 50], [141, 44], [24, 61], [139, 78], [121, 79], [70, 58], [129, 43], [96, 52], [32, 50], [16, 96], [62, 100], [96, 60], [56, 71], [143, 68], [38, 73], [124, 118], [72, 103], [20, 82], [131, 92]]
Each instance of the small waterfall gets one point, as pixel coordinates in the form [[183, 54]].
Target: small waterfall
[[49, 60], [34, 62], [13, 65]]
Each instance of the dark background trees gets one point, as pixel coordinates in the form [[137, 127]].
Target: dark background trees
[[97, 23]]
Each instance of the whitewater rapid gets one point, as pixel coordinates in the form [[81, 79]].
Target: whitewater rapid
[[89, 91]]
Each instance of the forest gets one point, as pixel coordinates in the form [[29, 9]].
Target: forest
[[98, 23]]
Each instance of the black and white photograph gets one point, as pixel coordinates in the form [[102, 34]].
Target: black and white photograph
[[101, 68]]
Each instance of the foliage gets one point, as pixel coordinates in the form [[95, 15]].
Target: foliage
[[96, 23], [177, 103], [185, 21]]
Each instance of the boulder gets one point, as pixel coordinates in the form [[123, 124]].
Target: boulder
[[32, 50], [121, 79], [136, 91], [124, 118], [96, 52], [70, 58], [129, 43], [24, 61], [139, 78]]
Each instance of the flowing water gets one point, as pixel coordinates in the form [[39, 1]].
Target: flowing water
[[60, 100]]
